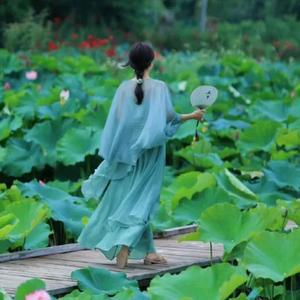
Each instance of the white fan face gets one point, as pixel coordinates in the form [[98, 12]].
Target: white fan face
[[204, 96]]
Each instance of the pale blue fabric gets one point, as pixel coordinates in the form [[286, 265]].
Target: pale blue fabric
[[128, 180]]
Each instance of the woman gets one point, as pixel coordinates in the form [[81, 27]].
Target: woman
[[128, 181]]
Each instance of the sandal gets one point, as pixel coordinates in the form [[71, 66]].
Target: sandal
[[154, 258], [122, 257]]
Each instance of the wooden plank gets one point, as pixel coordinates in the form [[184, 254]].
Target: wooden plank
[[76, 247], [40, 252], [176, 231], [56, 269], [163, 235]]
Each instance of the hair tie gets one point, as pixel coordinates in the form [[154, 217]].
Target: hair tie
[[140, 81]]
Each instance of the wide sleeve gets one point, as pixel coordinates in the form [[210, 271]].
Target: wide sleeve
[[173, 119], [112, 126]]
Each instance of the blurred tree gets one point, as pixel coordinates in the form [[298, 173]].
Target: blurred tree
[[203, 15], [130, 15]]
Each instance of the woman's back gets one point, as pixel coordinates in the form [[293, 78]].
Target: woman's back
[[132, 127]]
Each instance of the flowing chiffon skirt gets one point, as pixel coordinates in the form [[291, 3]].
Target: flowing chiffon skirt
[[129, 196]]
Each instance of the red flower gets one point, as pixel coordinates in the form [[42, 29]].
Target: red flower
[[276, 44], [84, 45], [102, 42], [110, 52], [52, 46], [74, 35], [288, 45], [57, 20], [7, 86]]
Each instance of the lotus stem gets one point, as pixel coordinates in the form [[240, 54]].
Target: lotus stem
[[250, 280], [24, 242], [284, 219], [88, 169], [52, 228], [272, 291], [292, 286], [211, 253]]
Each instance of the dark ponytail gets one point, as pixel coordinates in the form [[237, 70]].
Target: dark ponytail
[[139, 93], [141, 56]]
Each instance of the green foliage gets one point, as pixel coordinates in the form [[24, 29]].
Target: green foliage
[[100, 280], [29, 33], [185, 186], [64, 207], [273, 255], [214, 283], [228, 183], [235, 226], [28, 287], [22, 221]]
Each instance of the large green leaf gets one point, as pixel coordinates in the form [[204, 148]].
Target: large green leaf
[[66, 208], [238, 184], [274, 110], [162, 219], [260, 136], [185, 186], [195, 155], [21, 157], [196, 283], [234, 187], [189, 211], [99, 280], [30, 214], [8, 125], [76, 144], [273, 255], [227, 224], [7, 223], [289, 138], [47, 134], [38, 237], [10, 62], [283, 174]]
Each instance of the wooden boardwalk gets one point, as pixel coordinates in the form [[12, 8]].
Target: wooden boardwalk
[[55, 269], [55, 264]]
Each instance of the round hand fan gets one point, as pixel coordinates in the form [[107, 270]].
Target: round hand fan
[[202, 97]]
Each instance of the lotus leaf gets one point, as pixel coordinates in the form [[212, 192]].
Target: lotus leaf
[[195, 283], [76, 144], [260, 136], [227, 224], [273, 255], [66, 208], [30, 214], [283, 174], [99, 280]]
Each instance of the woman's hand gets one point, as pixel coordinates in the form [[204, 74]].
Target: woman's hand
[[198, 114]]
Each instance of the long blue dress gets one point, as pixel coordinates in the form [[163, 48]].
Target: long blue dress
[[128, 180]]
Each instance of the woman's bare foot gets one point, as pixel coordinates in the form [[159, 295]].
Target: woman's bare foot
[[122, 257], [154, 258]]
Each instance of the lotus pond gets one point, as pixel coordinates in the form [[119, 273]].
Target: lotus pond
[[240, 183]]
